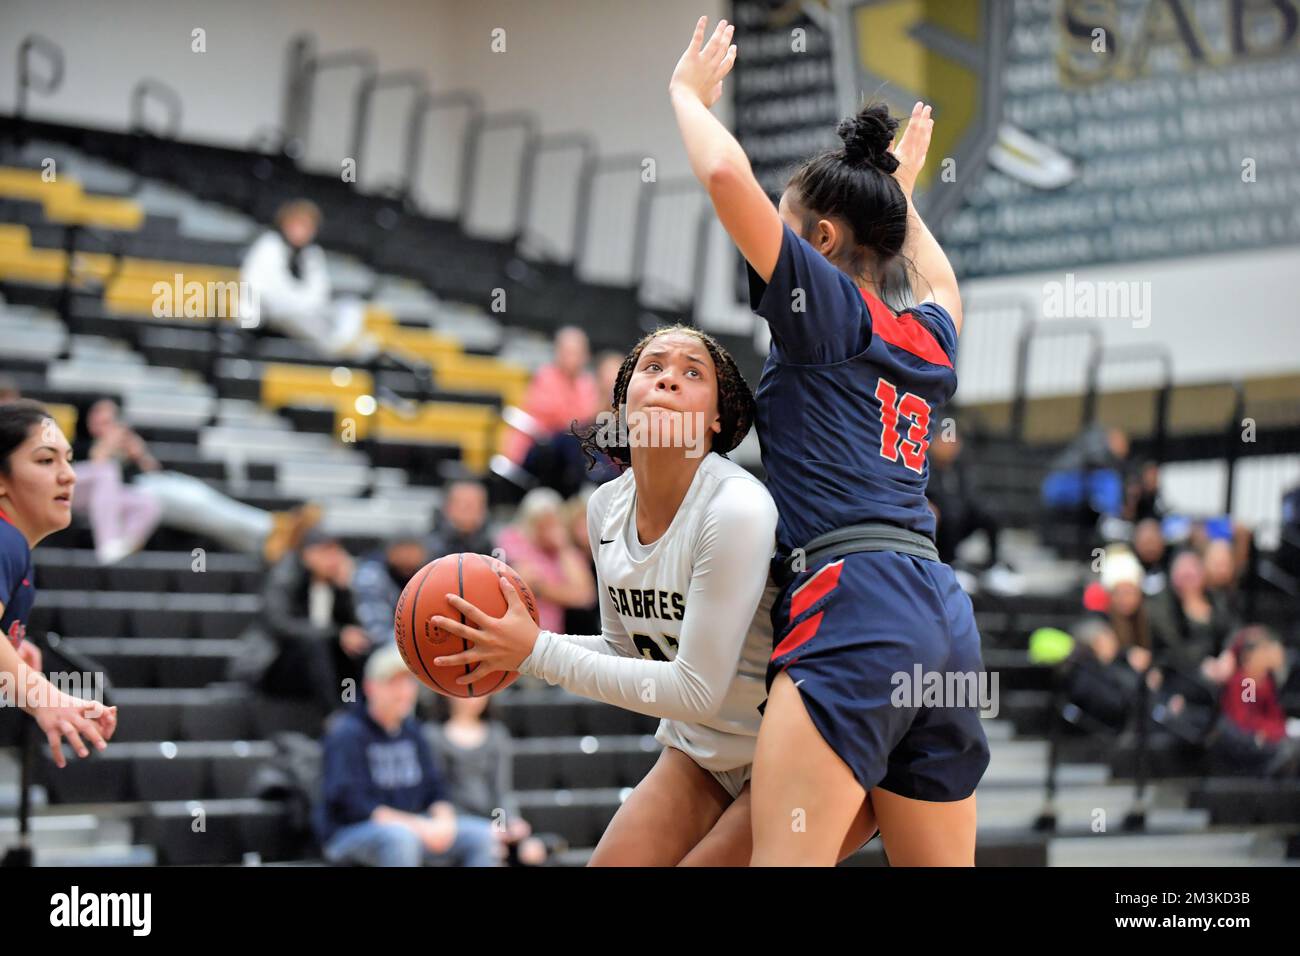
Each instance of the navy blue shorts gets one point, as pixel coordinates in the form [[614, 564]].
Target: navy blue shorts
[[884, 649]]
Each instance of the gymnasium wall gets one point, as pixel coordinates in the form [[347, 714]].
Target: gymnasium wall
[[606, 66]]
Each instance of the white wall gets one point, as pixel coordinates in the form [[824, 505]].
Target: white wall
[[599, 66]]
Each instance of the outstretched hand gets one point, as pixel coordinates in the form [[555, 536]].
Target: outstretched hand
[[910, 150], [500, 643], [703, 66]]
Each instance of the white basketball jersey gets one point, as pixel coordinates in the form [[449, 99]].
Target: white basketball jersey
[[646, 588]]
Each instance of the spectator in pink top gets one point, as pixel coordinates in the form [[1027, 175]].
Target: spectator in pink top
[[540, 548], [559, 393]]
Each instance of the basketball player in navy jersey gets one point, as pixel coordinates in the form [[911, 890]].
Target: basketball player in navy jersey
[[846, 406], [36, 488]]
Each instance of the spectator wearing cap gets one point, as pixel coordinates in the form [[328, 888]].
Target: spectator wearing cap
[[1121, 579], [383, 801]]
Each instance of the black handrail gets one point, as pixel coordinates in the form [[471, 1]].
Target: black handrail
[[1044, 329], [652, 191], [373, 83], [593, 169], [26, 81], [167, 96], [1143, 352], [479, 124], [552, 142], [1233, 450], [312, 66], [302, 47], [427, 103], [700, 276]]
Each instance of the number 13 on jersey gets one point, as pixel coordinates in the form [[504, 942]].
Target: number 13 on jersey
[[912, 407]]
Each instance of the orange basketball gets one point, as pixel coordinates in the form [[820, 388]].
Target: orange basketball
[[475, 578]]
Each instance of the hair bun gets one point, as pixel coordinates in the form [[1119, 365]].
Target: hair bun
[[868, 136]]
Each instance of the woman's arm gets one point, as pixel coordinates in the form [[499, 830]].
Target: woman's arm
[[920, 247], [716, 158]]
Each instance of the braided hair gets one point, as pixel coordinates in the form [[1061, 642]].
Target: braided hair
[[735, 400]]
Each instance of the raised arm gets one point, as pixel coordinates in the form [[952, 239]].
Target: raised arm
[[716, 158], [921, 248]]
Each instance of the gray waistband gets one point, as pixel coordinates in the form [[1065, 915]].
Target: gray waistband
[[873, 536]]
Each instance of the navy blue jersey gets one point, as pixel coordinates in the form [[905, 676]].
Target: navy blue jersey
[[17, 581], [848, 398]]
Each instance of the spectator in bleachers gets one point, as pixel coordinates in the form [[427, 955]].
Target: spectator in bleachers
[[1150, 549], [1142, 494], [1186, 627], [379, 581], [540, 548], [1087, 481], [1121, 580], [1097, 677], [1221, 577], [108, 454], [560, 393], [287, 288], [310, 617], [462, 522], [583, 619], [476, 755], [127, 493], [959, 514], [383, 802], [1251, 736]]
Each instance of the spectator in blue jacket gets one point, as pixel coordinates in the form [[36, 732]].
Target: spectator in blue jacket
[[379, 580], [383, 800]]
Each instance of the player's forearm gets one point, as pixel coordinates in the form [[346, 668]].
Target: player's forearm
[[927, 256], [710, 147]]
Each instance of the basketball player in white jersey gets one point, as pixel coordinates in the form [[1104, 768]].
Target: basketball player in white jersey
[[682, 542]]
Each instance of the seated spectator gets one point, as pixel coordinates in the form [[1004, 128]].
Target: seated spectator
[[1221, 579], [476, 756], [562, 396], [461, 524], [1121, 581], [1097, 678], [383, 802], [539, 547], [379, 580], [1186, 628], [1150, 549], [316, 641], [126, 493], [586, 619], [959, 514], [1087, 480], [288, 288], [1142, 494], [1251, 736]]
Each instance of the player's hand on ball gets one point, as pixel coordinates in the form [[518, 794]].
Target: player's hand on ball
[[703, 66], [500, 643], [910, 150]]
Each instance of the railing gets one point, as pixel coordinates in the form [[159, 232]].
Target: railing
[[171, 101], [371, 84], [1116, 354], [35, 43], [1039, 331], [427, 103]]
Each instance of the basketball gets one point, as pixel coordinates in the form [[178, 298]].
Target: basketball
[[475, 578]]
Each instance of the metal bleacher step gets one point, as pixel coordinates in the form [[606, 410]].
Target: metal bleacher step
[[1146, 850]]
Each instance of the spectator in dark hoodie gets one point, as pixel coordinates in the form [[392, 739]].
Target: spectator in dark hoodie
[[379, 581], [1097, 677], [383, 802]]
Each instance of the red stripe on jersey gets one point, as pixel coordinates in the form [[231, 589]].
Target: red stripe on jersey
[[904, 331], [816, 588], [5, 517], [799, 635]]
